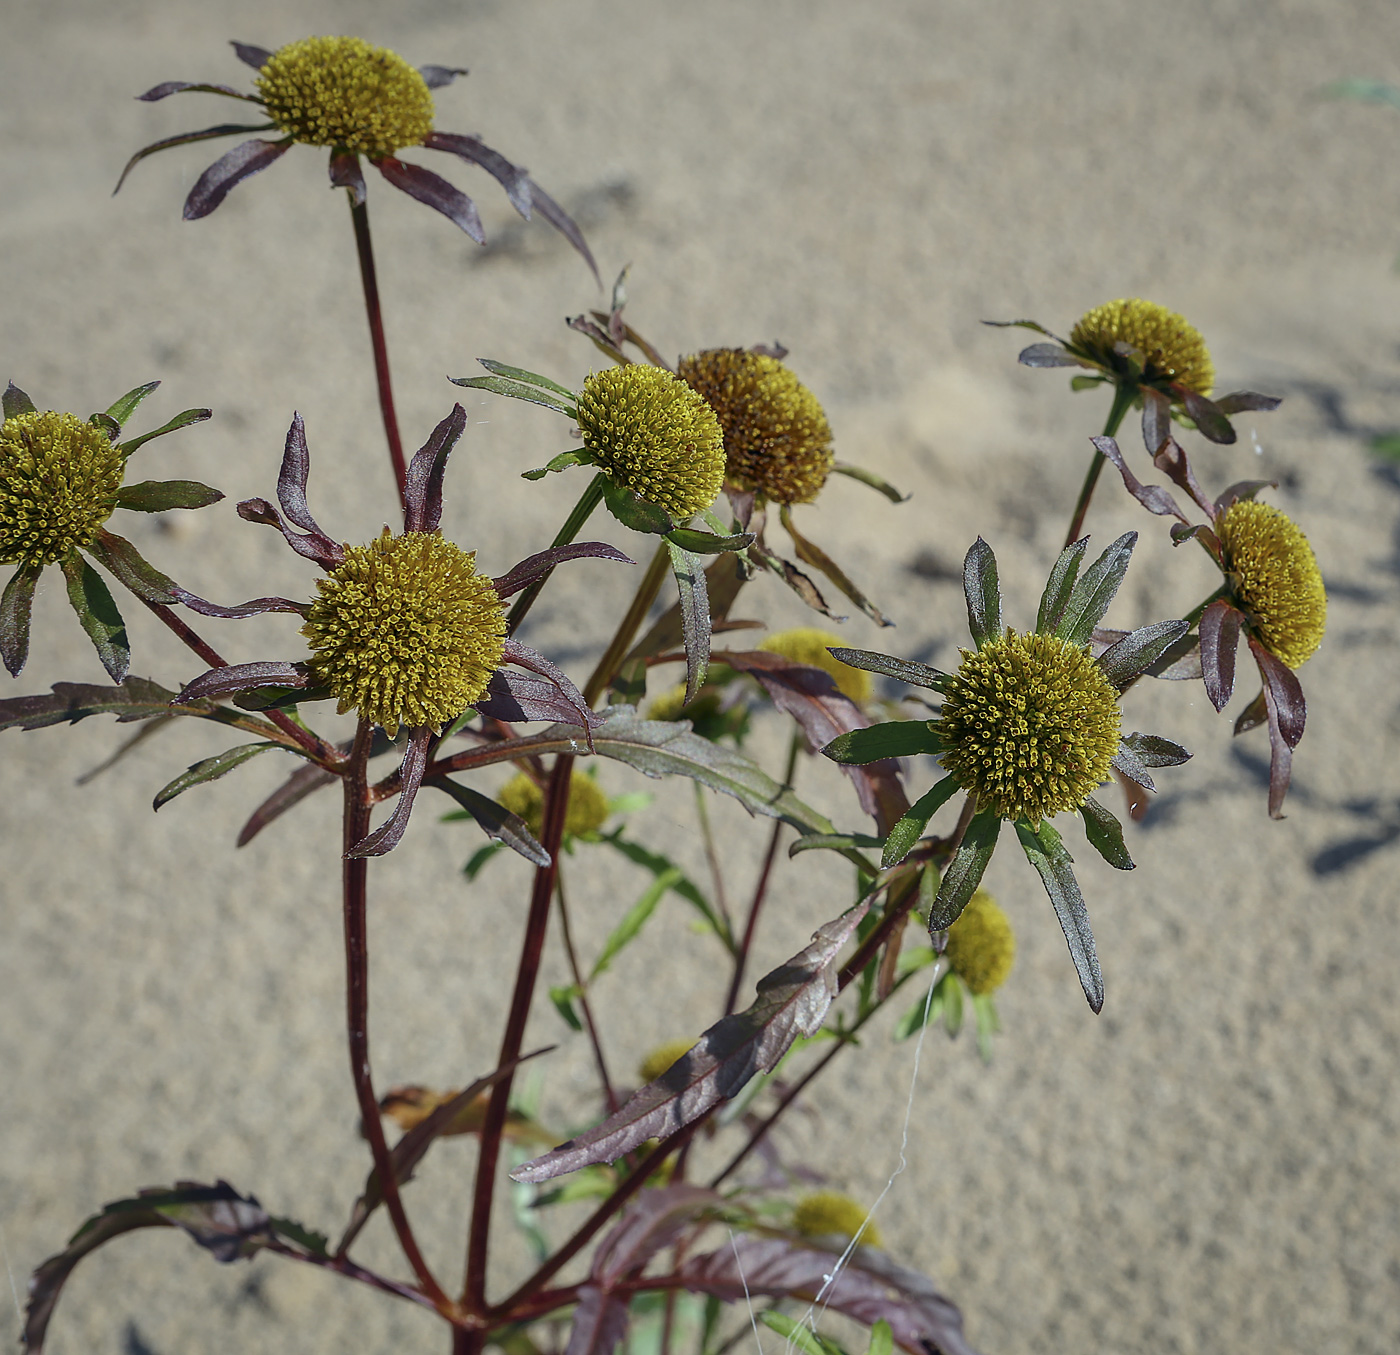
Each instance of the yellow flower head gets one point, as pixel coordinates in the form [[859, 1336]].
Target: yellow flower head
[[828, 1211], [1276, 579], [807, 644], [405, 631], [661, 1058], [653, 435], [1172, 350], [981, 945], [588, 806], [59, 478], [1030, 725], [342, 92], [777, 441]]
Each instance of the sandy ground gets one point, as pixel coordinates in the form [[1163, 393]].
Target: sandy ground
[[1211, 1165]]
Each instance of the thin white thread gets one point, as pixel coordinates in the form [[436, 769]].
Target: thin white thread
[[5, 1252], [743, 1279]]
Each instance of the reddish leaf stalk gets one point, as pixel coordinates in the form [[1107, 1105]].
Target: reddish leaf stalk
[[1122, 403]]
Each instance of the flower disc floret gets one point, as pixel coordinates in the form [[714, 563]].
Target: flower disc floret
[[405, 631], [1275, 579], [652, 434], [981, 945], [1030, 725], [588, 806], [828, 1211], [59, 478], [343, 92], [777, 441], [1172, 350], [809, 645]]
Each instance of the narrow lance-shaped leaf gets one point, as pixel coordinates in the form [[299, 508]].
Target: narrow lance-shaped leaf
[[433, 191], [1154, 751], [1156, 418], [211, 769], [184, 138], [964, 872], [633, 511], [157, 496], [244, 677], [390, 833], [562, 462], [707, 543], [1059, 586], [98, 615], [911, 827], [182, 420], [1209, 418], [137, 698], [540, 564], [1252, 716], [894, 738], [1139, 650], [16, 604], [1220, 642], [495, 820], [1105, 834], [226, 173], [869, 477], [123, 409], [1095, 590], [636, 917], [519, 390], [250, 55], [532, 378], [1047, 355], [905, 670], [541, 202], [132, 570], [695, 616], [1045, 850], [792, 1000], [1152, 497], [1238, 402], [982, 592]]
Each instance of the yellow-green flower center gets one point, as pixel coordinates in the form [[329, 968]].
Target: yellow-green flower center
[[807, 644], [981, 945], [1172, 350], [1030, 725], [59, 478], [777, 441], [828, 1211], [654, 435], [343, 92], [588, 806], [661, 1058], [405, 631], [1276, 579]]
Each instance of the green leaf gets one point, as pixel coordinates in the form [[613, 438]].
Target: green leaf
[[130, 569], [1086, 383], [181, 420], [563, 461], [16, 402], [695, 616], [894, 738], [1045, 850], [635, 919], [982, 592], [798, 1336], [98, 615], [15, 606], [984, 1011], [881, 1339], [107, 425], [905, 670], [211, 769], [156, 496], [1154, 751], [124, 408], [834, 842], [681, 885], [495, 820], [928, 1009], [563, 998], [137, 698], [532, 378], [318, 1244], [517, 390], [953, 1007], [868, 477], [1090, 597], [1058, 587], [910, 828], [1105, 834], [707, 543], [482, 854], [1137, 651], [964, 872], [633, 511]]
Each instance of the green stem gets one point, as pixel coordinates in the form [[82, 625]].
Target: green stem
[[573, 525], [630, 624], [1123, 396]]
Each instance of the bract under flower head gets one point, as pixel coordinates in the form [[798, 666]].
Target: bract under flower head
[[809, 645], [1275, 577], [405, 631], [981, 945], [1030, 725], [652, 434], [777, 441], [828, 1211], [588, 806], [1172, 350], [343, 92], [59, 478]]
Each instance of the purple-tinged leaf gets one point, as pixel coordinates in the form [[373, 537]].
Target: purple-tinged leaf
[[182, 420], [325, 552], [654, 1221], [1058, 587], [1139, 650], [123, 409], [494, 820], [435, 77], [1171, 459], [346, 173], [903, 670], [867, 1286], [1105, 834], [169, 87], [422, 493], [892, 738], [434, 191], [107, 424], [1045, 850], [792, 1001], [211, 769], [1252, 716], [136, 698], [1199, 532], [1090, 597], [243, 609], [302, 782], [256, 57], [794, 578], [1238, 402], [1243, 489], [910, 828], [292, 476], [1152, 497], [983, 593], [1209, 418], [1179, 662], [208, 134], [812, 554], [519, 697], [218, 1218], [390, 833], [1047, 355], [1156, 418], [1280, 757], [98, 615], [158, 496], [1220, 639], [1284, 693], [525, 657], [1127, 763], [16, 402], [964, 872], [514, 179], [541, 202], [15, 606], [243, 677], [695, 616], [600, 1322], [1151, 750], [228, 171], [537, 566], [124, 562], [598, 337]]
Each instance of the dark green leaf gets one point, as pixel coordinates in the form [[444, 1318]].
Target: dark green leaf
[[182, 420], [1105, 834], [517, 390], [868, 477], [1154, 751], [137, 698], [1139, 650], [563, 461], [953, 1007], [98, 615], [156, 496], [280, 698], [482, 854], [634, 920], [695, 616], [564, 998], [964, 872], [1059, 586], [905, 670], [1046, 852], [107, 424], [834, 842], [798, 1336], [318, 1244], [16, 402], [633, 511], [532, 378], [881, 1339], [124, 408], [211, 769], [1090, 597], [1086, 383], [894, 738], [982, 592], [926, 1010], [15, 606], [707, 543], [496, 821], [125, 563], [910, 828]]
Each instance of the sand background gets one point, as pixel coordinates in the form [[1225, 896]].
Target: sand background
[[1210, 1166]]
